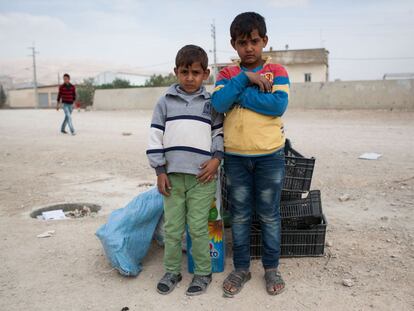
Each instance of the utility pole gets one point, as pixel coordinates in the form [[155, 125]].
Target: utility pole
[[213, 35], [322, 42], [36, 94]]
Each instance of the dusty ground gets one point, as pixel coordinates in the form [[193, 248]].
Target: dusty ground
[[371, 235]]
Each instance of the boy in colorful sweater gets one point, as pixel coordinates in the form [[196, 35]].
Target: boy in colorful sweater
[[254, 96], [185, 149]]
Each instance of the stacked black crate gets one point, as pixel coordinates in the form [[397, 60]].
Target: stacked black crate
[[303, 223]]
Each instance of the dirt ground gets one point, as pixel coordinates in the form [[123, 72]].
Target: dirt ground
[[370, 236]]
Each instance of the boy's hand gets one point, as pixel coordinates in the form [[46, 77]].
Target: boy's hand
[[208, 170], [263, 84], [163, 184]]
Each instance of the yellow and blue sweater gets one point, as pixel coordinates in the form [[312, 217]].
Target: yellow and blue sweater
[[252, 124]]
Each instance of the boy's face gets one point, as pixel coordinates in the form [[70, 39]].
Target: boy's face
[[191, 78], [66, 79], [250, 49]]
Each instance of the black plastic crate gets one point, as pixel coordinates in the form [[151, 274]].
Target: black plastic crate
[[302, 213], [290, 195], [298, 170], [294, 242]]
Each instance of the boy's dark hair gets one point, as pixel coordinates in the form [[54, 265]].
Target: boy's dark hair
[[190, 54], [244, 23], [66, 75]]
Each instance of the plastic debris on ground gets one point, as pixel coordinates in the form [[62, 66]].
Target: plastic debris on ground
[[46, 234], [54, 215], [370, 156], [78, 213]]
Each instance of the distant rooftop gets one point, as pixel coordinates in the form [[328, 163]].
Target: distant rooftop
[[293, 57], [401, 75], [302, 56], [29, 85]]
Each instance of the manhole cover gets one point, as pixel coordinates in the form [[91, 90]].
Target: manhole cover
[[71, 210]]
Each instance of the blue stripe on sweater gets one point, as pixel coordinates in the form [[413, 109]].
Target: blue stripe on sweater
[[149, 151], [189, 149], [160, 127], [188, 117], [281, 80], [215, 127], [180, 148]]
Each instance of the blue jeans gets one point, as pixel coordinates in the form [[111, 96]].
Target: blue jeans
[[255, 184], [67, 109]]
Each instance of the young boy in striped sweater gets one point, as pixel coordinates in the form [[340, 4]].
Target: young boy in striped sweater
[[185, 149], [254, 95], [67, 93]]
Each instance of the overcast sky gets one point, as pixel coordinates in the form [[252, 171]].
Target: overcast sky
[[365, 38]]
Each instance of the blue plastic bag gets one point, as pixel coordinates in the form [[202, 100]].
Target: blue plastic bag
[[127, 235]]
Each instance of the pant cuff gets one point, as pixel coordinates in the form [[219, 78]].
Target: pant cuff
[[245, 269], [173, 272]]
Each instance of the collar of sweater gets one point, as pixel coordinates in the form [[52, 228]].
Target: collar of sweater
[[175, 90]]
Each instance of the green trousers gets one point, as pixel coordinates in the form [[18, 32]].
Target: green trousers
[[189, 202]]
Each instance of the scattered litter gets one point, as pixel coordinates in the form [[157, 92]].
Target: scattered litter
[[344, 197], [146, 184], [347, 282], [54, 215], [384, 218], [46, 234], [125, 309], [78, 213], [370, 156], [126, 133], [329, 243]]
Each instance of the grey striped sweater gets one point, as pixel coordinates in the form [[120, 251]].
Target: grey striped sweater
[[185, 132]]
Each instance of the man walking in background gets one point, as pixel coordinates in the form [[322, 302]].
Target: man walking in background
[[67, 93]]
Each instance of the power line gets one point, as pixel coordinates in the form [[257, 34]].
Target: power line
[[213, 35], [155, 65], [370, 58], [33, 48]]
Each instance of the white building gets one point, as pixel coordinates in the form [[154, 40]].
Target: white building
[[109, 76], [305, 65]]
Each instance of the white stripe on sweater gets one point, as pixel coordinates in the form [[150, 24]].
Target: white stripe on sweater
[[187, 133], [155, 138]]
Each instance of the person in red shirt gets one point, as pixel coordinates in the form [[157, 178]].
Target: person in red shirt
[[67, 94]]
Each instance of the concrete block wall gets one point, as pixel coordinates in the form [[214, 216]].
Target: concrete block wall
[[375, 94]]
